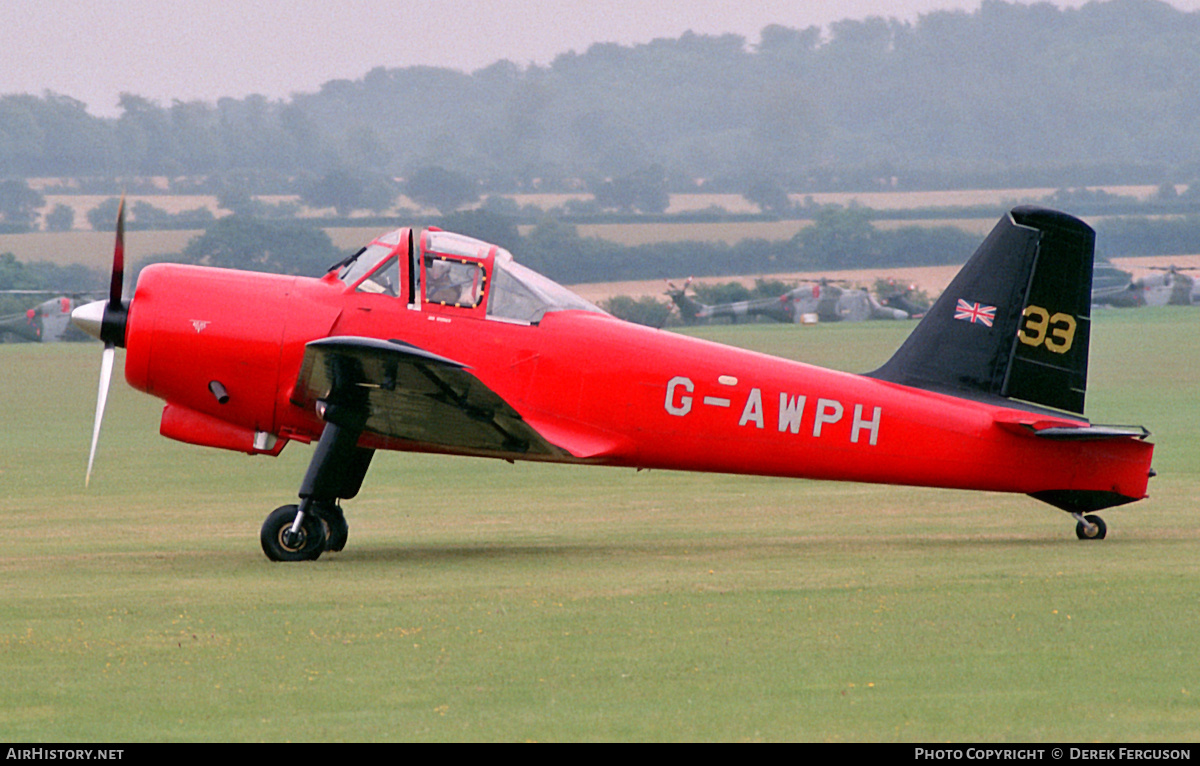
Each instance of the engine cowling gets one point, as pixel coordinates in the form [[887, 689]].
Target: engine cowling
[[208, 341]]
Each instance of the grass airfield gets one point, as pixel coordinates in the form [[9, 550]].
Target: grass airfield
[[479, 600]]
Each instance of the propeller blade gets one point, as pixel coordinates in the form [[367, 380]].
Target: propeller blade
[[118, 270], [106, 320], [106, 367]]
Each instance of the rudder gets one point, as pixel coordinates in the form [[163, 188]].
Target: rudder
[[1016, 320]]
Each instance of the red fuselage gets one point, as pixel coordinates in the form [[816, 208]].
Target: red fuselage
[[606, 391]]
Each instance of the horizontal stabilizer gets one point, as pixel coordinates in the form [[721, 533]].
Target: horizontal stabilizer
[[1091, 433], [1046, 426]]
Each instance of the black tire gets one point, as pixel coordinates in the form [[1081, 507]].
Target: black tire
[[309, 547], [1100, 529], [337, 531]]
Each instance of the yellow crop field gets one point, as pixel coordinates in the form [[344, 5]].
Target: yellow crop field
[[91, 248]]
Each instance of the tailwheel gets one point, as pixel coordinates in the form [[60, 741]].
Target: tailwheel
[[1090, 528], [281, 544]]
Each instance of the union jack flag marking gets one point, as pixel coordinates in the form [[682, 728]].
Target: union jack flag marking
[[975, 312]]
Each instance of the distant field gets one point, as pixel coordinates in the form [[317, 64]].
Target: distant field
[[960, 197], [95, 248], [880, 200], [1142, 266], [931, 279], [82, 204], [631, 234], [552, 603], [177, 203], [679, 203], [92, 248]]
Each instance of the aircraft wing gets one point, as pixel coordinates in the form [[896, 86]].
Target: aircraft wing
[[413, 395]]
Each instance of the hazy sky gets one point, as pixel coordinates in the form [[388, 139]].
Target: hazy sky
[[93, 50]]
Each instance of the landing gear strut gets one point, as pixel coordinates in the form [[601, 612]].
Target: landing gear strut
[[303, 532], [1080, 502]]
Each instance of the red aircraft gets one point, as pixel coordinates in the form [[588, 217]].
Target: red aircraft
[[435, 342]]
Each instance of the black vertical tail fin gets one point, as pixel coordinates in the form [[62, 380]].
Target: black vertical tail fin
[[1016, 320]]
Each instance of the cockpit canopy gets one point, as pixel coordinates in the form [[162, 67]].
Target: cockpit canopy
[[446, 269]]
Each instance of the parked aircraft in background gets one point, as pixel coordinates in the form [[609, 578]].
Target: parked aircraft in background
[[905, 297], [1172, 287], [822, 300], [1107, 278], [47, 322]]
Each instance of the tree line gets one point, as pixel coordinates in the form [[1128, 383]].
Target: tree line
[[1009, 95]]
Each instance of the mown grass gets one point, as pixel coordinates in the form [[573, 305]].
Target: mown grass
[[484, 601]]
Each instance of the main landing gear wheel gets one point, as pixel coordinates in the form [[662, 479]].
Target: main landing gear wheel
[[280, 544], [1091, 528], [337, 531]]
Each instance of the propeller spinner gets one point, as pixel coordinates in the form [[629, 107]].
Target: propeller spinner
[[106, 320]]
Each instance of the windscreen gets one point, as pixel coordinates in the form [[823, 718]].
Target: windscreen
[[368, 258], [522, 295]]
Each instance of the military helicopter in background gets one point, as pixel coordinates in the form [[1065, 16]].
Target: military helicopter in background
[[893, 294], [823, 299], [1170, 288], [48, 321], [1107, 278]]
